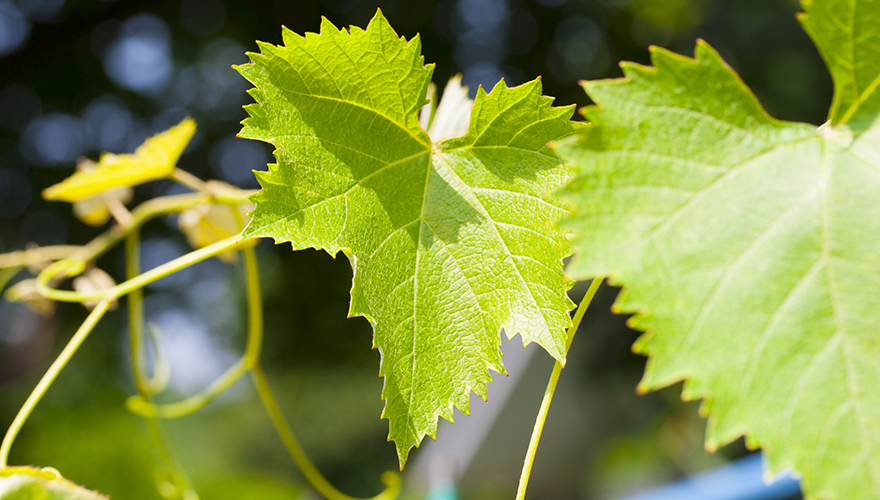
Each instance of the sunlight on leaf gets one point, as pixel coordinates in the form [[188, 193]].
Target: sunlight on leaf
[[29, 483], [96, 210], [747, 247], [155, 159], [450, 242], [207, 224]]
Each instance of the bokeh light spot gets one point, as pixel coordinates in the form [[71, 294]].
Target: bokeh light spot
[[15, 28], [52, 140], [108, 123], [140, 58]]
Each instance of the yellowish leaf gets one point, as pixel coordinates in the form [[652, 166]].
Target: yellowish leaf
[[95, 210], [155, 159], [25, 291], [207, 224]]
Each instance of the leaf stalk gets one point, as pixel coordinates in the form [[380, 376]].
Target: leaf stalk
[[551, 389]]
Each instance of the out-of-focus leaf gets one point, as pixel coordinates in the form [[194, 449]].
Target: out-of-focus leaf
[[155, 159], [451, 116], [93, 280], [29, 483], [96, 210], [748, 247], [25, 291], [206, 224]]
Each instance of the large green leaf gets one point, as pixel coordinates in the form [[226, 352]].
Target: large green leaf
[[748, 249], [449, 242], [27, 483]]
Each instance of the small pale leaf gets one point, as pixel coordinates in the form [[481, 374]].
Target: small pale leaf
[[155, 159]]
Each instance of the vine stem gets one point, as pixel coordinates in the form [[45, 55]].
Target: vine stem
[[252, 362], [141, 214], [71, 267], [551, 388], [71, 261], [106, 298], [51, 374], [147, 386], [142, 406], [324, 488], [144, 383], [189, 180]]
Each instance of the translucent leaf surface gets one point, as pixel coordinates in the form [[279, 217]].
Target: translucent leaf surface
[[749, 252], [155, 159], [96, 210], [449, 242], [26, 483], [207, 224]]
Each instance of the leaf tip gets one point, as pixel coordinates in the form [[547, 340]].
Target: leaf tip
[[50, 193]]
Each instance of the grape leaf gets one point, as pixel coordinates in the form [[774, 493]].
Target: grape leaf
[[449, 242], [96, 210], [747, 248], [28, 483], [155, 159]]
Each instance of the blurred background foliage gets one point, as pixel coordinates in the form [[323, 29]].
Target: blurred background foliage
[[83, 76]]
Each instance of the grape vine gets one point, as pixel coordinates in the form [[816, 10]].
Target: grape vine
[[456, 217]]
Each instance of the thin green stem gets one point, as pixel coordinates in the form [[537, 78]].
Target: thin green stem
[[119, 211], [161, 363], [139, 216], [322, 486], [551, 388], [143, 407], [189, 180], [145, 384], [51, 374], [71, 260], [178, 477], [252, 361], [72, 267], [255, 299], [36, 255]]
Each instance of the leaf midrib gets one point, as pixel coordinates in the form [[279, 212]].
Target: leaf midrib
[[840, 331], [367, 108]]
